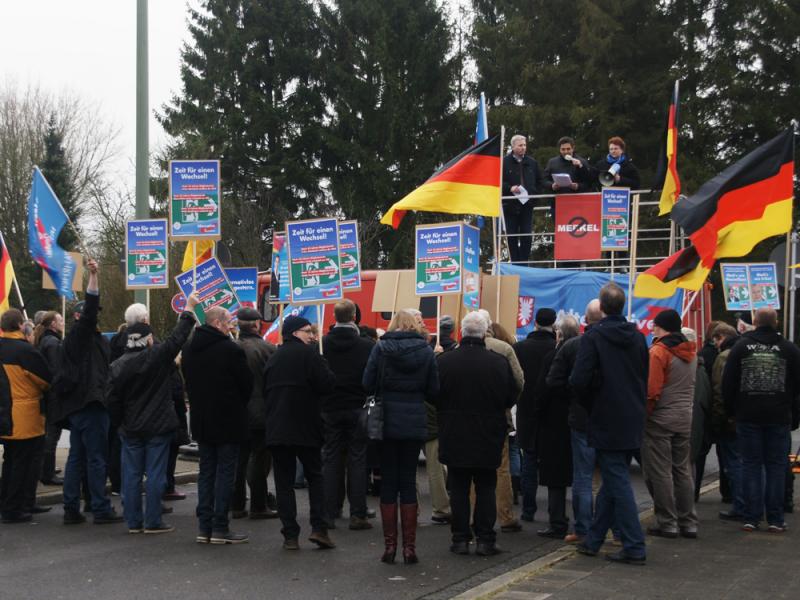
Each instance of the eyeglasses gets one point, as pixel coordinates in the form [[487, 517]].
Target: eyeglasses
[[306, 330]]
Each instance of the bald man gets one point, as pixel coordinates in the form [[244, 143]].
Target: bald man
[[760, 387]]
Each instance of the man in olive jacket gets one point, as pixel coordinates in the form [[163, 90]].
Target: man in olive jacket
[[295, 379], [218, 383]]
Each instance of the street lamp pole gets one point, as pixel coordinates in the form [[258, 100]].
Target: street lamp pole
[[142, 141]]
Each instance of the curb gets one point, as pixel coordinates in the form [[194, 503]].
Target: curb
[[50, 498], [502, 582]]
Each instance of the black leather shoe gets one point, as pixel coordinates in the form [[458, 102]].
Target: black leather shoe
[[73, 518], [555, 534], [484, 549], [459, 548], [655, 531], [621, 557], [54, 480]]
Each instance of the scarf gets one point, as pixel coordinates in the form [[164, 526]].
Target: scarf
[[615, 161]]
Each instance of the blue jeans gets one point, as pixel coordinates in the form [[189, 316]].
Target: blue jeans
[[514, 457], [616, 505], [764, 450], [529, 482], [215, 486], [583, 461], [728, 447], [88, 452], [140, 456]]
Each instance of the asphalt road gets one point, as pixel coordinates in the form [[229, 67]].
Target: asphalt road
[[46, 559]]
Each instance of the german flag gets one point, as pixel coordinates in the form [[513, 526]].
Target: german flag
[[748, 202], [468, 184], [6, 275], [667, 179], [204, 251]]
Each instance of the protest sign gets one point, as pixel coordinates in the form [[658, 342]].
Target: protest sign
[[577, 234], [735, 286], [764, 286], [471, 261], [146, 254], [615, 218], [279, 274], [350, 255], [244, 281], [438, 259], [212, 287], [313, 253], [194, 199]]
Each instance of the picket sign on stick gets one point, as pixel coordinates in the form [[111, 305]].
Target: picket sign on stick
[[194, 263], [321, 322], [438, 319], [787, 282]]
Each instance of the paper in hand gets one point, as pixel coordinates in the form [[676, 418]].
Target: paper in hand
[[522, 195], [562, 180]]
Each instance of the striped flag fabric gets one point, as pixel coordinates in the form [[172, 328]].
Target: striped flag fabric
[[6, 276], [667, 179]]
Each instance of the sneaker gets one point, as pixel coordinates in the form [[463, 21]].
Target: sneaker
[[359, 524], [228, 537], [573, 538], [108, 518], [690, 534], [72, 517], [203, 538], [777, 528], [136, 529], [750, 527], [291, 544], [621, 557], [321, 539], [371, 513], [162, 528]]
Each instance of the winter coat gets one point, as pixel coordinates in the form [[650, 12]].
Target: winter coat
[[507, 351], [558, 378], [553, 435], [582, 176], [118, 344], [476, 388], [670, 386], [761, 380], [402, 371], [531, 353], [295, 379], [28, 378], [347, 354], [219, 385], [709, 354], [140, 391], [701, 413], [610, 378], [722, 424], [628, 173], [515, 172], [6, 424], [82, 377], [258, 353], [50, 347]]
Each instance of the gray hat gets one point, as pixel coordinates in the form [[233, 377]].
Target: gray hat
[[248, 314], [446, 323]]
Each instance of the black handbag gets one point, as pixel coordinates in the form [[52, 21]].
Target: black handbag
[[371, 417]]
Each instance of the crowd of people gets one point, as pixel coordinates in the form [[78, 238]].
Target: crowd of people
[[494, 416]]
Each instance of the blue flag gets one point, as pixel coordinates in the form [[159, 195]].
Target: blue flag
[[46, 219], [481, 134], [307, 311]]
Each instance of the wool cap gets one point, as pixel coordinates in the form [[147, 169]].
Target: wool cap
[[545, 317], [292, 324], [668, 320]]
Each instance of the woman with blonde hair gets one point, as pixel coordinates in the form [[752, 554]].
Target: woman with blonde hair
[[402, 371]]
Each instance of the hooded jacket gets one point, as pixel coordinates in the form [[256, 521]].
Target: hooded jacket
[[670, 384], [140, 392], [347, 354], [219, 384], [402, 371], [531, 353], [610, 379], [295, 379], [761, 380], [27, 376], [258, 353]]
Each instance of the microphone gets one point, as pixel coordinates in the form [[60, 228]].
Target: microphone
[[568, 157]]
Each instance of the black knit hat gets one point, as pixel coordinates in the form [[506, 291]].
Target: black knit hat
[[292, 324], [545, 317], [668, 320]]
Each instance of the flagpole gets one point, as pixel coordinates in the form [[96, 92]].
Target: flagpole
[[19, 297], [194, 265], [688, 305], [634, 248], [495, 221], [438, 318], [64, 308], [786, 283], [321, 324]]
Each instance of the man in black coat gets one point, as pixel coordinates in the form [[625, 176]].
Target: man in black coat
[[567, 163], [610, 378], [531, 353], [521, 177], [140, 400], [476, 388], [80, 386], [218, 383], [295, 379], [254, 458], [347, 354]]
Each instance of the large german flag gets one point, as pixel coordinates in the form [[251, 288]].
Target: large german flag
[[667, 179], [468, 184], [6, 275], [748, 202]]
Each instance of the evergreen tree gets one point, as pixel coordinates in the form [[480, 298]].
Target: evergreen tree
[[56, 169]]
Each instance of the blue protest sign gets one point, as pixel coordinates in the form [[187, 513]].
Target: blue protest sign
[[194, 199], [212, 286], [350, 255], [764, 286], [438, 259], [279, 274], [146, 254], [244, 281], [313, 252], [735, 286], [615, 219], [471, 260]]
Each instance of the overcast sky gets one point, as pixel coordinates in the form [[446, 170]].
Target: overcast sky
[[89, 48]]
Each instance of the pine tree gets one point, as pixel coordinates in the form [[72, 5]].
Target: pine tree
[[56, 169]]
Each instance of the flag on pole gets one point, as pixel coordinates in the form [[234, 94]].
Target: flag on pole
[[482, 126], [309, 312], [667, 179], [6, 275], [748, 202], [205, 250], [46, 219], [468, 184]]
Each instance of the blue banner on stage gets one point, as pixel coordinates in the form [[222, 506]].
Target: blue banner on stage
[[46, 219], [568, 292], [472, 268]]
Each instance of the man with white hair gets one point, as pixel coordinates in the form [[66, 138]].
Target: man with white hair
[[476, 388], [521, 176]]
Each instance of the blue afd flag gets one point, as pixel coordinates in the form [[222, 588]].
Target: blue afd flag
[[568, 291], [481, 134], [46, 219], [307, 311]]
